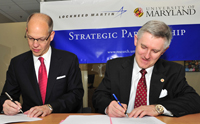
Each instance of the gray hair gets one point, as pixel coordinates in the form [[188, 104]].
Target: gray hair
[[157, 29], [47, 18]]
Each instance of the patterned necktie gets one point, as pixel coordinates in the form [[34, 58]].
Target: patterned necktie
[[141, 93], [42, 79]]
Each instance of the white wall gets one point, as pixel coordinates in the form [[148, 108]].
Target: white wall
[[193, 79], [12, 43]]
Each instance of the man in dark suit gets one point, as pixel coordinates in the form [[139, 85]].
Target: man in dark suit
[[166, 90], [63, 88]]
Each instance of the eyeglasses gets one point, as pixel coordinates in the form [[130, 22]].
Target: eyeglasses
[[39, 40]]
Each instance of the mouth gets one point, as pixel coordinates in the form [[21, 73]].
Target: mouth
[[36, 50], [145, 60]]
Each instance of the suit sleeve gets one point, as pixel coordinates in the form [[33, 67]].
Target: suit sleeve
[[102, 95], [182, 98], [11, 86]]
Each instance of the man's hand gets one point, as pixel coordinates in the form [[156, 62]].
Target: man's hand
[[38, 111], [10, 108], [115, 110], [143, 110]]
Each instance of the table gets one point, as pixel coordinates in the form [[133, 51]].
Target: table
[[187, 119], [56, 119]]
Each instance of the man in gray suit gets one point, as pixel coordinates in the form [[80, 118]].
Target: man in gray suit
[[166, 89], [63, 89]]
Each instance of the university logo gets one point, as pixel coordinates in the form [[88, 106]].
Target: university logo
[[138, 12]]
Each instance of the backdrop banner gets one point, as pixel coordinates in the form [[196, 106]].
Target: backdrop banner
[[100, 30]]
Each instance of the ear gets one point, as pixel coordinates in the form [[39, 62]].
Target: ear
[[135, 40], [52, 35], [165, 50]]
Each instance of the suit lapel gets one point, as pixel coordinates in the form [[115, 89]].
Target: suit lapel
[[157, 82], [29, 67], [53, 71], [125, 79]]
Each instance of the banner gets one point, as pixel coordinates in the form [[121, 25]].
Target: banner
[[100, 30]]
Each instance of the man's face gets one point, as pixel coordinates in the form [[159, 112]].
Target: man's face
[[148, 49], [38, 30]]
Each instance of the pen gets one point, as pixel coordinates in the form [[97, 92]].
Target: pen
[[119, 102], [12, 100]]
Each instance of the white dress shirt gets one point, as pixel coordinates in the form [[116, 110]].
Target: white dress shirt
[[47, 58], [136, 75]]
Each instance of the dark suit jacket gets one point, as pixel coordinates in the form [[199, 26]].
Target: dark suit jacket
[[181, 99], [64, 95]]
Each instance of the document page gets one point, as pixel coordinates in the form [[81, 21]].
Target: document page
[[87, 119], [16, 118], [144, 120]]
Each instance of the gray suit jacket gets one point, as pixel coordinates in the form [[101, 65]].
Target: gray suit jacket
[[181, 99]]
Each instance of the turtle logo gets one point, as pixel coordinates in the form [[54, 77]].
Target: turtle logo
[[138, 12]]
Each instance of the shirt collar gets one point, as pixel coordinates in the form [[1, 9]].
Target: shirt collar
[[137, 68], [46, 56]]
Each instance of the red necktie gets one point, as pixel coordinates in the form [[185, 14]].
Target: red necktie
[[42, 79], [141, 93]]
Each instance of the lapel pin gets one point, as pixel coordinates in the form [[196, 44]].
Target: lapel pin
[[162, 80]]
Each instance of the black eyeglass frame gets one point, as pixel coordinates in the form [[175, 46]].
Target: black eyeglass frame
[[38, 38]]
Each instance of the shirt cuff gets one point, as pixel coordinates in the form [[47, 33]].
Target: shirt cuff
[[166, 112], [105, 111]]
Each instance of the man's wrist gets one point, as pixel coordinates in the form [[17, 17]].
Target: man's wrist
[[50, 107], [159, 109]]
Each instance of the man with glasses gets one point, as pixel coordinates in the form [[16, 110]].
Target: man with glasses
[[48, 79]]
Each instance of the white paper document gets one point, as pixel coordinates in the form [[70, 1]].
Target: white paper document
[[105, 119], [87, 119], [144, 120], [16, 118]]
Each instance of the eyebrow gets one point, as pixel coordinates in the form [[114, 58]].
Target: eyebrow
[[35, 38], [153, 49]]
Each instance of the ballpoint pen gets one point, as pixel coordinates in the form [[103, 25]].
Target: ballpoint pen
[[12, 100], [119, 103]]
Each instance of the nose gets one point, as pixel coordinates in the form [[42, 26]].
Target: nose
[[35, 43], [147, 54]]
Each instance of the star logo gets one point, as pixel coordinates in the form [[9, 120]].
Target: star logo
[[120, 11]]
